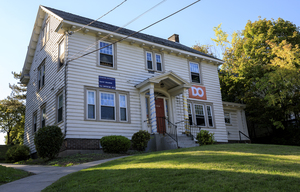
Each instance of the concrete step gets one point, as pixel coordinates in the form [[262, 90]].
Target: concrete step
[[184, 141]]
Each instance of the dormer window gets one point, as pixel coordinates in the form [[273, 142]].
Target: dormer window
[[106, 54]]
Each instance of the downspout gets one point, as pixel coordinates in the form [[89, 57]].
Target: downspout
[[66, 65]]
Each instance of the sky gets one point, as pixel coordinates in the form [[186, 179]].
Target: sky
[[194, 25]]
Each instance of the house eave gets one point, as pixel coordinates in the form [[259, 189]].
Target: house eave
[[67, 26], [33, 42]]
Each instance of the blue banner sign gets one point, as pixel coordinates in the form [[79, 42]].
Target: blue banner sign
[[107, 82]]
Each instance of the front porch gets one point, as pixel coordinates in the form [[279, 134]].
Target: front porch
[[164, 108]]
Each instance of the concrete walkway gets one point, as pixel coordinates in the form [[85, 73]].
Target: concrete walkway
[[45, 175]]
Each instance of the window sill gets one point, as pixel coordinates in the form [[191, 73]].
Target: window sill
[[193, 83], [228, 124], [110, 121], [107, 67]]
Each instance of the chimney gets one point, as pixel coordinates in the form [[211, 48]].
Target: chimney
[[174, 38]]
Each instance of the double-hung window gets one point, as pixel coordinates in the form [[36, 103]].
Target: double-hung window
[[195, 72], [200, 115], [123, 107], [158, 62], [34, 122], [41, 75], [45, 33], [60, 108], [149, 60], [154, 61], [209, 116], [91, 106], [61, 53], [107, 106], [106, 54], [43, 118], [227, 117]]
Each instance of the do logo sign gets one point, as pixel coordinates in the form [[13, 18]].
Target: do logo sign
[[197, 92]]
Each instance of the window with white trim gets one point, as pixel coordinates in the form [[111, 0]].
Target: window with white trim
[[123, 107], [61, 53], [60, 107], [43, 117], [149, 60], [209, 116], [41, 75], [45, 33], [106, 54], [154, 61], [91, 105], [200, 115], [34, 122], [227, 118], [107, 106], [195, 72], [158, 61]]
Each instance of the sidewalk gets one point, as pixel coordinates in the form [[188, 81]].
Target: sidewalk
[[45, 175]]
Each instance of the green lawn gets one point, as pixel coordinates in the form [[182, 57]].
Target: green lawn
[[8, 174], [231, 167]]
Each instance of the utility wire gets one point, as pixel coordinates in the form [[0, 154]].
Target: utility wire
[[98, 18], [135, 32], [90, 46]]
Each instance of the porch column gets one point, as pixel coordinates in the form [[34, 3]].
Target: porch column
[[185, 109], [152, 109]]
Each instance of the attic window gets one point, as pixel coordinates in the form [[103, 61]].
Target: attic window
[[45, 33], [106, 54]]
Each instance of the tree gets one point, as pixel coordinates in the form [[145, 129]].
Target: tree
[[12, 114], [262, 69], [207, 49], [18, 91]]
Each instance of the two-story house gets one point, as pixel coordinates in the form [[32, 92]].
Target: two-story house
[[125, 84]]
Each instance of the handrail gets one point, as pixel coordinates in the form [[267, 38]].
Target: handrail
[[244, 135], [169, 128]]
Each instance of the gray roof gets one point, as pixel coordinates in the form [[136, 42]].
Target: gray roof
[[82, 20]]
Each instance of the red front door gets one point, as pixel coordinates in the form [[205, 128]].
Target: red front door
[[160, 115]]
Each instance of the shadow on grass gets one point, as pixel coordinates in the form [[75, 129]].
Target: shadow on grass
[[173, 180]]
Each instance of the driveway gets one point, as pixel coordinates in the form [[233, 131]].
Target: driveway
[[44, 175]]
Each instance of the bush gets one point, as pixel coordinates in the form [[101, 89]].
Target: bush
[[17, 153], [48, 141], [115, 144], [205, 138], [140, 140]]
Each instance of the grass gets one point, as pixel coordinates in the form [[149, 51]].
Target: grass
[[70, 160], [8, 174], [232, 167]]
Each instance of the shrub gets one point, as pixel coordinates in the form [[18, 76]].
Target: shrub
[[205, 138], [17, 153], [48, 141], [140, 140], [115, 144]]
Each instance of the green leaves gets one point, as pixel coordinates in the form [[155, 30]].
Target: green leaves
[[262, 65]]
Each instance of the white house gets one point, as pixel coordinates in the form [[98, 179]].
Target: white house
[[140, 83]]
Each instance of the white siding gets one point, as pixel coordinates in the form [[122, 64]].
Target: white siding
[[130, 71], [54, 81], [237, 123]]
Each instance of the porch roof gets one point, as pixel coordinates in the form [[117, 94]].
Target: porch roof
[[168, 80]]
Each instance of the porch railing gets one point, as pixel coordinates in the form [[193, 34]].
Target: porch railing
[[190, 130], [241, 133], [165, 126]]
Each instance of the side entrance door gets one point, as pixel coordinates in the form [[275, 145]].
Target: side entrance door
[[160, 115]]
